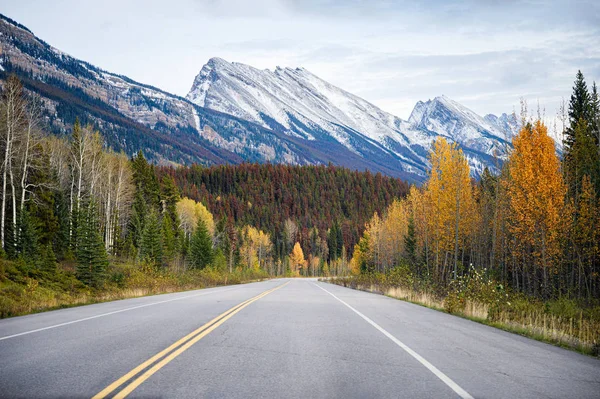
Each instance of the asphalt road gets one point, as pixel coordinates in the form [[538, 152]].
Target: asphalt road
[[304, 339]]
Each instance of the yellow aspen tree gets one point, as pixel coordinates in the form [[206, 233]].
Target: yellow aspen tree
[[355, 262], [536, 193], [263, 249], [297, 261], [249, 247], [374, 230], [451, 203], [417, 206], [189, 211], [395, 227]]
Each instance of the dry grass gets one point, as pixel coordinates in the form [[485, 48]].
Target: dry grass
[[23, 292]]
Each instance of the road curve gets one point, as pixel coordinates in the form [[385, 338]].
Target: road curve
[[274, 339]]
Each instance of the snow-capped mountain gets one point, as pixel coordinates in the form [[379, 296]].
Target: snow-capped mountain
[[300, 104], [235, 113]]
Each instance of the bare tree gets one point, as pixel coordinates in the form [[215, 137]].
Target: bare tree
[[117, 191], [13, 112]]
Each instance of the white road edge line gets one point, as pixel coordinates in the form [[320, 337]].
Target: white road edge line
[[110, 313], [447, 380]]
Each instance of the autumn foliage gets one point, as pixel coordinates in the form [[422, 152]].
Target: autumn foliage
[[514, 227]]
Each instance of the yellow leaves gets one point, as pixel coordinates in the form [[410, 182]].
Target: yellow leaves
[[356, 261], [256, 247], [297, 260], [448, 196], [189, 211], [536, 192], [387, 234]]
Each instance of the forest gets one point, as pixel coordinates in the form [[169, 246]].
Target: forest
[[535, 227], [80, 222]]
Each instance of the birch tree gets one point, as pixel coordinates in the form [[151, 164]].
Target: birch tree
[[13, 118]]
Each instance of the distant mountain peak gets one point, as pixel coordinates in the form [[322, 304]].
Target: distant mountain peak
[[300, 104]]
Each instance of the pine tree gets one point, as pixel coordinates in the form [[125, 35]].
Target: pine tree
[[201, 251], [28, 245], [586, 236], [48, 260], [151, 248], [139, 211], [169, 240], [595, 115], [579, 107], [335, 241], [584, 158], [92, 260], [169, 197], [580, 113], [146, 181], [410, 243]]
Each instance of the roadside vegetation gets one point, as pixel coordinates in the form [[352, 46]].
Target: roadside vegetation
[[518, 249], [24, 289], [566, 322]]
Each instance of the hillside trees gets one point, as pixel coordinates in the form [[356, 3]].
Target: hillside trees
[[533, 227]]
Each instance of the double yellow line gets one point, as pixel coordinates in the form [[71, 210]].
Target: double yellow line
[[170, 353]]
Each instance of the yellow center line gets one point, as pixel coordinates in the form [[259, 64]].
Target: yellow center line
[[192, 337]]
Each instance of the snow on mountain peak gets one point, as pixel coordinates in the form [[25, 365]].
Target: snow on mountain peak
[[298, 103]]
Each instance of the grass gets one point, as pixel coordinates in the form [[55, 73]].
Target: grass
[[560, 322], [25, 290]]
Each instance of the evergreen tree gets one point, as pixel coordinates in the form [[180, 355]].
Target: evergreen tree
[[48, 259], [28, 246], [146, 181], [410, 243], [92, 259], [135, 228], [584, 158], [169, 240], [60, 240], [169, 197], [595, 115], [201, 251], [579, 107], [151, 248], [578, 137], [335, 241]]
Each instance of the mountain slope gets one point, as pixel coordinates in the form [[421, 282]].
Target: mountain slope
[[301, 104], [235, 113]]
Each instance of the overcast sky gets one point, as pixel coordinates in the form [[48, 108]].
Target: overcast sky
[[486, 54]]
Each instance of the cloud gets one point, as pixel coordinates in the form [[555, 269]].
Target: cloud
[[485, 53]]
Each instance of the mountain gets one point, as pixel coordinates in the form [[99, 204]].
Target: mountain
[[300, 104], [235, 113]]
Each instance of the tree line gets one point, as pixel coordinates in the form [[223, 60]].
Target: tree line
[[534, 226], [70, 200], [323, 208]]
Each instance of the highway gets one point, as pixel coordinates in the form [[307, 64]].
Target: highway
[[283, 338]]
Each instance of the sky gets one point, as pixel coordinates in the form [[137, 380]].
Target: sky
[[486, 54]]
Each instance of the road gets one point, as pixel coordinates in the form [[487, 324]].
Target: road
[[295, 338]]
